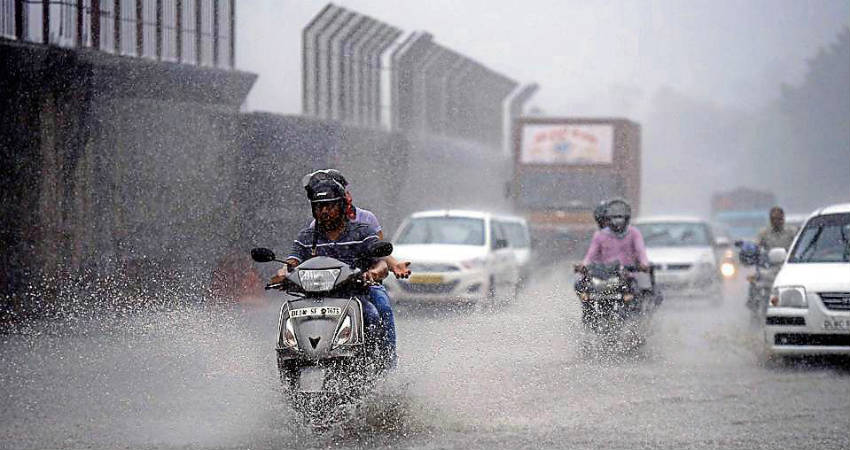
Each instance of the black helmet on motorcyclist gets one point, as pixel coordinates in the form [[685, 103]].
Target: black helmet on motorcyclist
[[599, 214], [618, 213], [324, 174], [322, 192]]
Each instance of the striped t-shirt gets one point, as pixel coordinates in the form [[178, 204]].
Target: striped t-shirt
[[352, 243]]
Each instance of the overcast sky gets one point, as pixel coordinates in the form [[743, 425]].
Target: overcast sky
[[590, 57]]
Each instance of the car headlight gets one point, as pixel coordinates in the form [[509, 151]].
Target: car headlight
[[789, 297], [289, 335], [318, 280], [344, 333], [727, 269]]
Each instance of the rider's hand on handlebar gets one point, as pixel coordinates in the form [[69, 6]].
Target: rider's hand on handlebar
[[371, 276], [642, 268], [580, 268], [280, 276]]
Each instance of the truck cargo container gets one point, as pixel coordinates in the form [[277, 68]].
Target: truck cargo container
[[564, 167]]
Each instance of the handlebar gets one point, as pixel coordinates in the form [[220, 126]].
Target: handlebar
[[628, 268], [271, 286]]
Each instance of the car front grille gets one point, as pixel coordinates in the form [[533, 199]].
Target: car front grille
[[839, 301], [677, 267], [785, 320], [823, 340], [428, 288]]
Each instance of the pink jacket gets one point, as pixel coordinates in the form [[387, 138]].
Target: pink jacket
[[606, 247]]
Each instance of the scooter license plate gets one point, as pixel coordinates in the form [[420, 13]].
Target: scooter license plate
[[311, 379], [425, 279], [317, 311]]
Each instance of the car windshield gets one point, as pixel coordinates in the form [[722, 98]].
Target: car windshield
[[825, 239], [443, 230], [674, 234]]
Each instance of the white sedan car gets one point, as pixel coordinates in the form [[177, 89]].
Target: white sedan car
[[684, 252], [456, 256], [809, 309]]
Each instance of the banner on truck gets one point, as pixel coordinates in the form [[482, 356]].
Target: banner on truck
[[567, 144]]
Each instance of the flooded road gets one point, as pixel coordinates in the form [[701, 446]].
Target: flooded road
[[509, 378]]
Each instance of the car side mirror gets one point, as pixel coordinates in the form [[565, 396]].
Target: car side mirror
[[776, 256], [500, 243], [262, 255]]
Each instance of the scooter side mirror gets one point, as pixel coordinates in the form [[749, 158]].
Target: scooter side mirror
[[776, 256], [262, 255]]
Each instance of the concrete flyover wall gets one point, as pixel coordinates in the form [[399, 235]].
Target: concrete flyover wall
[[390, 174], [113, 167], [126, 175]]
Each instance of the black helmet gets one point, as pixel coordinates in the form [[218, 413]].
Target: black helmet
[[599, 214], [325, 191], [618, 213], [324, 174]]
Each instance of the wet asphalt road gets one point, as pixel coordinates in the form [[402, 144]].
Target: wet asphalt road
[[508, 378]]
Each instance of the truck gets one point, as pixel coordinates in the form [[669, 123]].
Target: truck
[[742, 211], [564, 167]]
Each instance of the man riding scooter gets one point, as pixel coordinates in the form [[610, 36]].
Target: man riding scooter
[[755, 254], [617, 242], [334, 235]]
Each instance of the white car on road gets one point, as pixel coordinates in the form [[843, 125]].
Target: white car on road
[[456, 256], [809, 309], [685, 254]]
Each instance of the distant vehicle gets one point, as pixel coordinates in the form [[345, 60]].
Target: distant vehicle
[[456, 256], [743, 211], [726, 256], [809, 309], [563, 168], [761, 281], [684, 251]]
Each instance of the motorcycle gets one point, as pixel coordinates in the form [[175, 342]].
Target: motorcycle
[[761, 281], [610, 297], [326, 356]]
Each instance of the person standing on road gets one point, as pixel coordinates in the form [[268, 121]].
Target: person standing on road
[[777, 235]]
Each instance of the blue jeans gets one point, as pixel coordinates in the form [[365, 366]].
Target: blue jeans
[[379, 297]]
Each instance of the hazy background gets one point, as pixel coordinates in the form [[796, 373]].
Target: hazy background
[[729, 93]]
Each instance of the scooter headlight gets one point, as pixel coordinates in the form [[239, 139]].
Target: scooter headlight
[[609, 283], [318, 280], [289, 335], [344, 333]]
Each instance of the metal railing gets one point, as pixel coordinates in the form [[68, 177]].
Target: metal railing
[[199, 32]]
